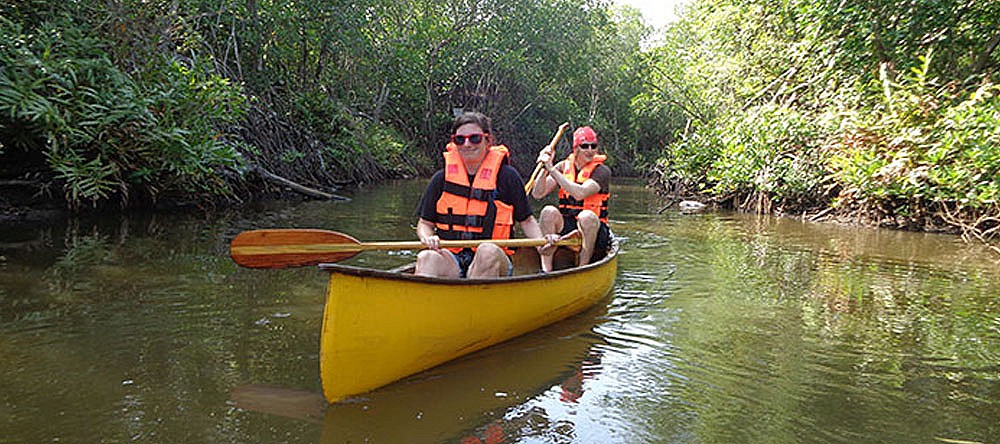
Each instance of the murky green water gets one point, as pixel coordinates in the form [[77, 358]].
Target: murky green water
[[722, 328]]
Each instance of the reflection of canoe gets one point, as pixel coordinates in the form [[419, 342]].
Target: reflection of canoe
[[454, 399], [449, 400], [380, 326]]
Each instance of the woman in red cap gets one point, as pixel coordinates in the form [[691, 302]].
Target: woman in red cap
[[584, 185]]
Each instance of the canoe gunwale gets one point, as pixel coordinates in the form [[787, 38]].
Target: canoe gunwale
[[394, 274]]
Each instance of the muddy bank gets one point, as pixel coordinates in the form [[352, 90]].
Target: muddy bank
[[25, 202], [28, 201]]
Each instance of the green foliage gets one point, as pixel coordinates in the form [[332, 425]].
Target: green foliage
[[792, 101], [932, 147], [389, 149], [690, 159], [801, 100], [771, 149], [340, 91], [107, 134], [342, 69]]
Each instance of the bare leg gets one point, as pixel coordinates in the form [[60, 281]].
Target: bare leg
[[437, 264], [588, 223], [551, 222], [490, 262]]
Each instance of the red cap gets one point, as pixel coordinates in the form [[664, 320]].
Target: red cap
[[584, 134]]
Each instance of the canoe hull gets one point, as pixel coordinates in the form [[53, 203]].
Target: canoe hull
[[379, 327]]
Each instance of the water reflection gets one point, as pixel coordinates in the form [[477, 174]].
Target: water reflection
[[721, 328], [777, 323], [452, 400]]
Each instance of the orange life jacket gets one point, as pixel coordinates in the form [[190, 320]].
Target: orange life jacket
[[467, 211], [598, 203]]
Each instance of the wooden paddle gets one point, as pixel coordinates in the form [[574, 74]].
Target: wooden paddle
[[281, 248], [552, 149]]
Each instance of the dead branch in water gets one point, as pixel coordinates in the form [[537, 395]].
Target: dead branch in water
[[291, 152], [312, 192], [984, 226]]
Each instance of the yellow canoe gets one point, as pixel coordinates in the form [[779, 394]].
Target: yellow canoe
[[380, 326]]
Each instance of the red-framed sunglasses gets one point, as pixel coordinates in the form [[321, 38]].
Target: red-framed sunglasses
[[472, 138]]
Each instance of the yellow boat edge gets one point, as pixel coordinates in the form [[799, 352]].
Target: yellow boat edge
[[381, 326]]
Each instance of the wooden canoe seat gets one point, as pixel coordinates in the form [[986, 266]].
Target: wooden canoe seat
[[526, 260]]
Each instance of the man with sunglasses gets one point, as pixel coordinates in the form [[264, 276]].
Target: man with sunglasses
[[477, 195], [584, 185]]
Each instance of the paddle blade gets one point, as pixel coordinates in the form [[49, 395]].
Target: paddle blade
[[282, 248]]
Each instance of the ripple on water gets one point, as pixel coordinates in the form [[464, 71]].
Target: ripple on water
[[721, 328]]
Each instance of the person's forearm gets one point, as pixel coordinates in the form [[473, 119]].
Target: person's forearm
[[540, 188], [578, 191], [425, 229], [531, 228], [543, 186]]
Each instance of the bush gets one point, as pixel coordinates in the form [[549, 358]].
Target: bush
[[104, 134], [773, 150], [922, 144], [770, 151]]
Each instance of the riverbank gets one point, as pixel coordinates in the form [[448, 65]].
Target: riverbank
[[981, 226], [24, 201], [41, 198]]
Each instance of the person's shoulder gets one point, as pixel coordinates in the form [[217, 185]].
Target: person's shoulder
[[508, 171], [436, 182], [509, 180], [602, 175], [602, 171]]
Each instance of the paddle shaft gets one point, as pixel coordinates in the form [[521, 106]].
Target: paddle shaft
[[251, 250], [552, 150]]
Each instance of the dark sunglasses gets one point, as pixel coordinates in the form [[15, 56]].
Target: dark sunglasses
[[588, 146], [472, 138]]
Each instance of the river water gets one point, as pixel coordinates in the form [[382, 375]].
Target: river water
[[722, 328]]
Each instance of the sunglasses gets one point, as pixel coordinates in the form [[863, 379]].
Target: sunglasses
[[472, 138], [588, 146]]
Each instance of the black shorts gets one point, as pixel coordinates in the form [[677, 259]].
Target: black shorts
[[603, 237], [464, 260]]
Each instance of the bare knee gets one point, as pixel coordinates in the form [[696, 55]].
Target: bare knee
[[550, 220], [490, 261], [491, 257], [588, 220], [434, 263], [425, 257], [549, 212]]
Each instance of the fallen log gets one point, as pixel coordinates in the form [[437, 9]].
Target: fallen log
[[312, 192], [22, 183]]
